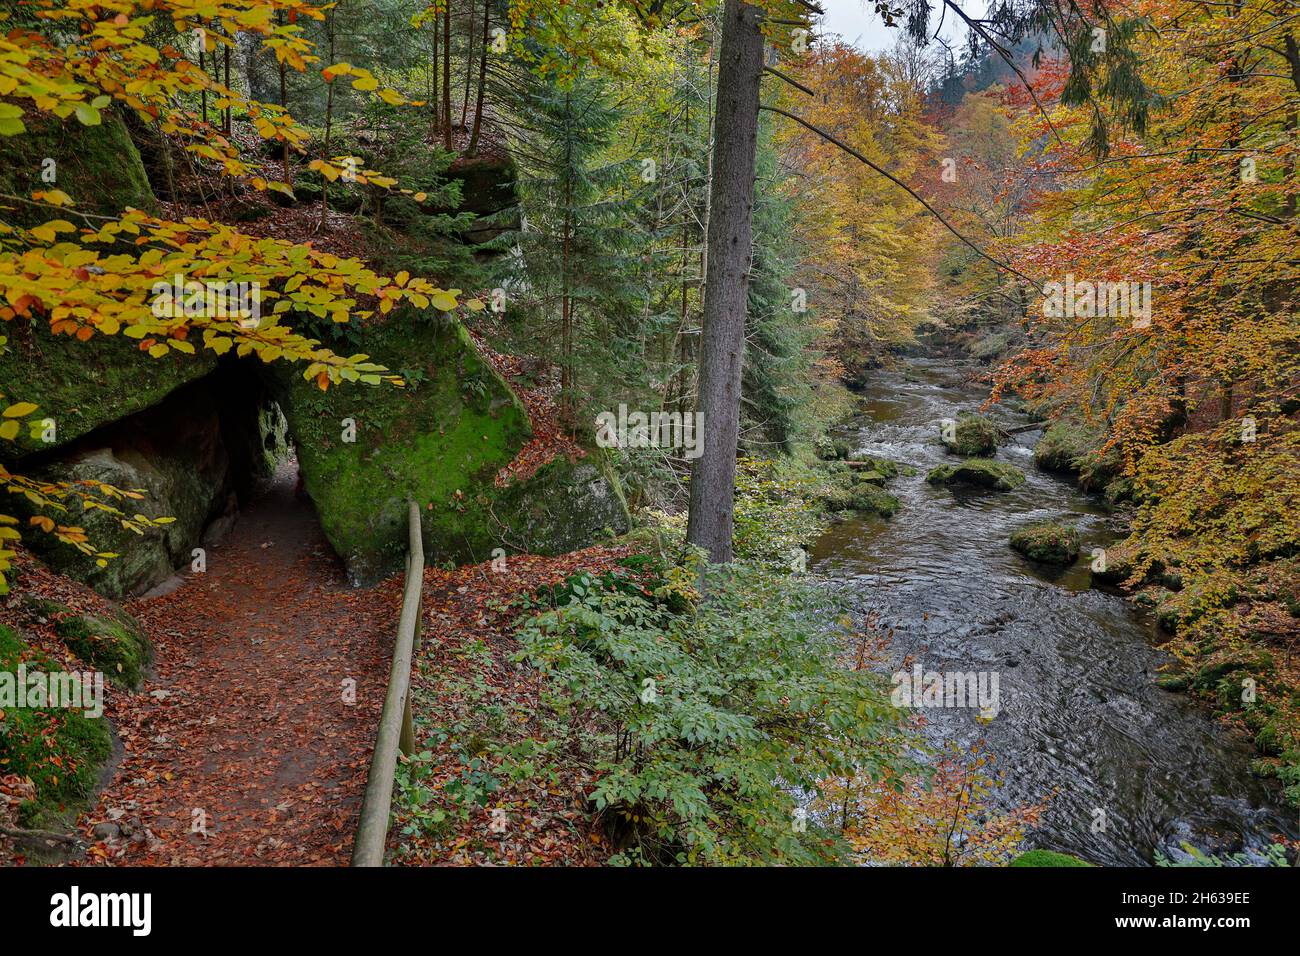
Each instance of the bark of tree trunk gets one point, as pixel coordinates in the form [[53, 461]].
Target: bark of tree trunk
[[469, 67], [435, 104], [446, 76], [482, 78], [225, 56], [726, 285], [329, 123]]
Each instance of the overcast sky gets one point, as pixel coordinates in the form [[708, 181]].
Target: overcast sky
[[859, 24]]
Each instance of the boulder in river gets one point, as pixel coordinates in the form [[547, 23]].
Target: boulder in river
[[1048, 541], [979, 472], [971, 435]]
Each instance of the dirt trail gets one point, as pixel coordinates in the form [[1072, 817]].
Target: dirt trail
[[243, 730]]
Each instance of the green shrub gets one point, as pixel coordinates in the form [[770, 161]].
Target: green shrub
[[707, 727], [776, 510]]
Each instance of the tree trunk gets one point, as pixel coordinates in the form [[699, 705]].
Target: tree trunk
[[435, 106], [284, 104], [225, 56], [446, 76], [726, 285], [203, 68], [329, 121], [482, 79], [469, 67], [566, 305]]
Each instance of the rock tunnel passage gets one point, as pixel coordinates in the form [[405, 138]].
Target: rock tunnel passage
[[240, 748]]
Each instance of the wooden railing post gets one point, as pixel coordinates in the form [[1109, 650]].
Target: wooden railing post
[[396, 730]]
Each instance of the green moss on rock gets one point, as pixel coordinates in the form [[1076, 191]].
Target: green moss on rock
[[862, 496], [971, 435], [440, 442], [81, 386], [979, 472], [113, 643], [97, 166], [884, 468], [60, 750], [174, 457], [1047, 541], [1063, 446], [1047, 858], [1072, 447]]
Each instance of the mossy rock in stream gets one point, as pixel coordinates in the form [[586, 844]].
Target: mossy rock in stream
[[979, 472], [31, 736], [880, 470], [863, 497], [1064, 445], [1048, 541], [440, 441], [971, 435], [1047, 858], [1072, 447]]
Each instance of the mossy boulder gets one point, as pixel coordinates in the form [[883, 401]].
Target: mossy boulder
[[489, 190], [871, 477], [1118, 491], [1047, 858], [869, 499], [81, 386], [1064, 445], [833, 449], [970, 435], [112, 642], [881, 469], [1114, 566], [97, 166], [863, 497], [1048, 541], [1072, 447], [441, 441], [173, 456], [978, 472], [61, 750], [565, 506]]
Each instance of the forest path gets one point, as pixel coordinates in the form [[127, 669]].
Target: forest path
[[241, 748]]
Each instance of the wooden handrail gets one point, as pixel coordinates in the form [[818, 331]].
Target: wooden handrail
[[395, 728]]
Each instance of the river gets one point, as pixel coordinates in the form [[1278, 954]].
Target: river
[[1129, 768]]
